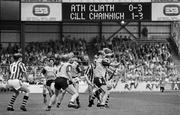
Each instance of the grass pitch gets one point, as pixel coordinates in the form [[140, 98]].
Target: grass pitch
[[129, 103]]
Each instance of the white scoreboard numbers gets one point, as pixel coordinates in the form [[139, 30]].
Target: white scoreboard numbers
[[41, 11]]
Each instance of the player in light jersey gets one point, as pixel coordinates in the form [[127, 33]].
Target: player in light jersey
[[76, 71], [64, 81], [103, 74], [49, 73], [100, 78]]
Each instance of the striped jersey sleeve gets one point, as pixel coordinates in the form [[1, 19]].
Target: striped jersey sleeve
[[22, 66], [89, 72]]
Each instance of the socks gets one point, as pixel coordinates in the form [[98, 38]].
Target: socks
[[49, 106], [107, 100], [11, 103], [97, 94], [44, 95], [77, 101], [25, 99]]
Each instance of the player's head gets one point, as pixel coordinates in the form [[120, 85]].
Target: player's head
[[51, 61], [75, 64], [57, 61], [100, 54], [45, 62], [107, 50], [74, 61], [110, 56], [17, 57], [64, 58]]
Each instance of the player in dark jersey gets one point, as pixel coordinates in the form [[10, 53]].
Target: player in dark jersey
[[17, 69], [90, 77]]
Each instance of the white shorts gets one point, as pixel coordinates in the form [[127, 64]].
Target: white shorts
[[14, 83]]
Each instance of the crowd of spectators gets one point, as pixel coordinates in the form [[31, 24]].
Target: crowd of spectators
[[37, 52], [143, 61]]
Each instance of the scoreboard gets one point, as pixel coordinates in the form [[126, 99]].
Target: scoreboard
[[101, 10], [106, 11]]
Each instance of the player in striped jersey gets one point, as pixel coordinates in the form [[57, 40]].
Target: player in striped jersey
[[90, 79], [17, 69]]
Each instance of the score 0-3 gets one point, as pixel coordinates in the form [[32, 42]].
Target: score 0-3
[[136, 11]]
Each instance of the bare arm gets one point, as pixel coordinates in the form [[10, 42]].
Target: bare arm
[[24, 70], [69, 72]]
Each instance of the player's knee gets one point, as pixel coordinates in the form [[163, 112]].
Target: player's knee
[[109, 87], [16, 93], [76, 94], [24, 89], [27, 91]]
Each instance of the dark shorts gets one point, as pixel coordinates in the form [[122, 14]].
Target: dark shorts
[[61, 83], [99, 81], [162, 88], [48, 83]]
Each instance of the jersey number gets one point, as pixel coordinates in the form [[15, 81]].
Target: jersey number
[[14, 69]]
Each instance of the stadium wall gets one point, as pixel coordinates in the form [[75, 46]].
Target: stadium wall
[[43, 32], [122, 87]]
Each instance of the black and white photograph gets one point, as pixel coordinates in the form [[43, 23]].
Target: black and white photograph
[[89, 57]]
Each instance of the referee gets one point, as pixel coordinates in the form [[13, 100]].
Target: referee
[[17, 69]]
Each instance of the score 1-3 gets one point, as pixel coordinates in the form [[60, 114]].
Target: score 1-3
[[138, 9]]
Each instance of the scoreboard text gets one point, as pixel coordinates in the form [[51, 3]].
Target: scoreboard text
[[106, 11]]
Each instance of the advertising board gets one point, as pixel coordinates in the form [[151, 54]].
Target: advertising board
[[41, 11]]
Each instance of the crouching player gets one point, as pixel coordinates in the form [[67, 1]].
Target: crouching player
[[64, 81], [103, 82], [100, 82], [75, 73], [49, 73], [17, 68]]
